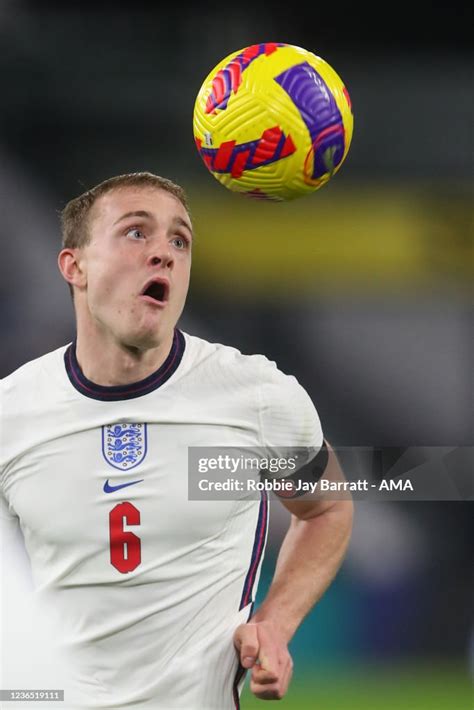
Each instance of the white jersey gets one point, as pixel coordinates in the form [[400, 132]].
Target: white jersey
[[147, 585]]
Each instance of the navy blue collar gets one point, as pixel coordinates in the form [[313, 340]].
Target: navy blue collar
[[119, 392]]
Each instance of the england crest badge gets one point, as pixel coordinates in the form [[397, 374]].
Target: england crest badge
[[124, 445]]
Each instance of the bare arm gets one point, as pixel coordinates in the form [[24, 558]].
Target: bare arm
[[309, 558]]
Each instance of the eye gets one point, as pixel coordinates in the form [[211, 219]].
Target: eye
[[135, 233], [181, 242]]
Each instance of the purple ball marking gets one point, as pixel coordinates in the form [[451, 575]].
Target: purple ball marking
[[317, 106]]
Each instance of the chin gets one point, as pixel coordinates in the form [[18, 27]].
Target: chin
[[145, 339]]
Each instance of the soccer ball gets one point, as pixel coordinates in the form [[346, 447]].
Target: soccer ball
[[273, 121]]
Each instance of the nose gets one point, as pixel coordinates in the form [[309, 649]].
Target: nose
[[160, 255]]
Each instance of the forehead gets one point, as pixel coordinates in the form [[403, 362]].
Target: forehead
[[160, 203]]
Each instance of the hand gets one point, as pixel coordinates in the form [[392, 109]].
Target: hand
[[261, 649]]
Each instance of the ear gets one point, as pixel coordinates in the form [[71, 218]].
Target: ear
[[71, 267]]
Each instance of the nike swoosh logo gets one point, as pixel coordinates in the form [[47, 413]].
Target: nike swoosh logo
[[110, 489]]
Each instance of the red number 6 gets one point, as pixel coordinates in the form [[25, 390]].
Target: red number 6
[[125, 547]]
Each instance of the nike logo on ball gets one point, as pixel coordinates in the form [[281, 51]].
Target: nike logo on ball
[[110, 489]]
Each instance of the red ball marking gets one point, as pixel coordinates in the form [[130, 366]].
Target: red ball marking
[[223, 155], [250, 53], [270, 47], [348, 98], [288, 147], [235, 71], [217, 93], [239, 164], [207, 159], [267, 145]]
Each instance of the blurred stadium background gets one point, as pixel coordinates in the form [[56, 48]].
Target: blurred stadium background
[[362, 290]]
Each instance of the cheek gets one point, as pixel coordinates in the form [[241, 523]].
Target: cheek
[[101, 286], [106, 288], [184, 286], [186, 275]]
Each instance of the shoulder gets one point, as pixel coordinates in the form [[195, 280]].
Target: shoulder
[[284, 408], [28, 402], [220, 357], [255, 366], [29, 376]]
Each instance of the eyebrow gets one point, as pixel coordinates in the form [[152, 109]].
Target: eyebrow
[[183, 223], [147, 215], [137, 213]]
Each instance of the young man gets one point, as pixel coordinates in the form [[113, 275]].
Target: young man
[[153, 591]]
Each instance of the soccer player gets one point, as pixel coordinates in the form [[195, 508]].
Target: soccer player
[[153, 591]]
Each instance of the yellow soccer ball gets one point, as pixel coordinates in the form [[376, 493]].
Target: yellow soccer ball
[[273, 121]]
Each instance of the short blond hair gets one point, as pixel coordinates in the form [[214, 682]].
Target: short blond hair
[[75, 217]]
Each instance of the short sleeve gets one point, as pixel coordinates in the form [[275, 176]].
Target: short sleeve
[[289, 423]]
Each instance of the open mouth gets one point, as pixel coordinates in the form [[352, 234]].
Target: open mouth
[[157, 291]]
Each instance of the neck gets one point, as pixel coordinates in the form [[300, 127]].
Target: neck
[[113, 363]]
